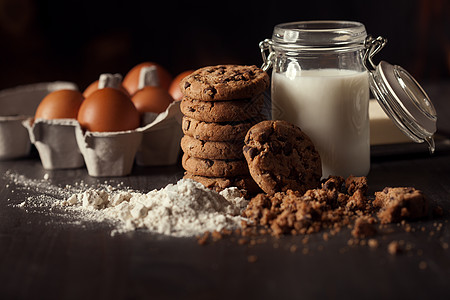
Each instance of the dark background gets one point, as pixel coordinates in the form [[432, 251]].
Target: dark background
[[78, 40]]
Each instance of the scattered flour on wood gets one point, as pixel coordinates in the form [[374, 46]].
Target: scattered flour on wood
[[183, 209], [186, 208]]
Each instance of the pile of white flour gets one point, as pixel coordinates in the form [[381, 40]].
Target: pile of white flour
[[183, 209]]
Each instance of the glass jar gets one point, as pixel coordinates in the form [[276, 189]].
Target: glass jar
[[320, 83]]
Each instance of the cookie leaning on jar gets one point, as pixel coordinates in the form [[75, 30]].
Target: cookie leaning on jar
[[220, 103], [282, 157]]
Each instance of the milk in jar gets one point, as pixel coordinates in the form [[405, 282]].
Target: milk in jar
[[331, 107], [320, 83]]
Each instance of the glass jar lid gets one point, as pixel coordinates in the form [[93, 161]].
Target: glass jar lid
[[318, 34], [401, 97]]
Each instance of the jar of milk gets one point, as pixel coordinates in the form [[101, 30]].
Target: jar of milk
[[320, 82]]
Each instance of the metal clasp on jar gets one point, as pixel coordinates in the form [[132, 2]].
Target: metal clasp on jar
[[266, 45], [373, 46]]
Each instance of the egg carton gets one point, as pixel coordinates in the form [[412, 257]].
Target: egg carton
[[63, 144], [113, 153], [56, 142], [14, 141], [16, 105]]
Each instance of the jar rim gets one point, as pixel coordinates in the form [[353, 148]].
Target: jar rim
[[319, 34]]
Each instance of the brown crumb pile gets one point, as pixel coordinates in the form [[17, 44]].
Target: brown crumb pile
[[339, 203]]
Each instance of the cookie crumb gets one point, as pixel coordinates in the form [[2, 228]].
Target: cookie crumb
[[364, 227], [252, 258], [394, 248], [400, 203], [203, 239], [353, 183], [423, 265], [407, 227], [216, 235], [293, 248], [373, 243], [242, 241], [226, 231]]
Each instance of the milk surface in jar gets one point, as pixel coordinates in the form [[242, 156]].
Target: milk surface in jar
[[320, 84], [331, 107]]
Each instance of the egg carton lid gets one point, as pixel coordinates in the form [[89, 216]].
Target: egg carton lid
[[24, 99], [16, 105]]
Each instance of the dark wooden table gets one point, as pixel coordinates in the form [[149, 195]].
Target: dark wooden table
[[44, 257]]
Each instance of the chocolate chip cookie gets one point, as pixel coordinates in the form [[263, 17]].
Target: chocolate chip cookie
[[225, 82], [219, 184], [223, 111], [212, 150], [214, 167], [216, 132], [281, 157]]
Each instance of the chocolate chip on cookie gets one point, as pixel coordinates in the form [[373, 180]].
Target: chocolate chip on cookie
[[281, 157], [225, 82]]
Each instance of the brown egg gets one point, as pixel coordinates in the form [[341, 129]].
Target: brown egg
[[94, 86], [131, 80], [61, 104], [174, 89], [152, 99], [108, 110]]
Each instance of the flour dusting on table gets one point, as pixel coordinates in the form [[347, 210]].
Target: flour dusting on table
[[183, 209]]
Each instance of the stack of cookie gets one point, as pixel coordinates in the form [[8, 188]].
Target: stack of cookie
[[220, 104]]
